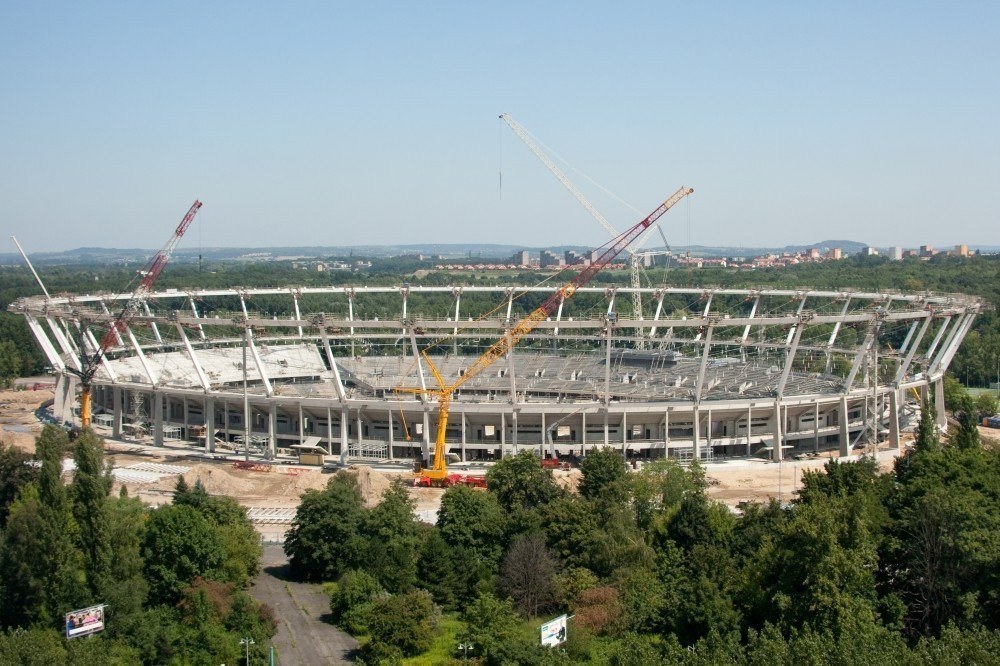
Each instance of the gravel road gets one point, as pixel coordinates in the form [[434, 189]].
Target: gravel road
[[302, 610]]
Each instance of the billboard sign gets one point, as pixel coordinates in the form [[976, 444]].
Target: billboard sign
[[84, 621], [554, 631]]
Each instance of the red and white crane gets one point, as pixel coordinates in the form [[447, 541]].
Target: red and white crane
[[121, 323]]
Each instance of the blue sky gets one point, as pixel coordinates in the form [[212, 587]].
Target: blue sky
[[331, 123]]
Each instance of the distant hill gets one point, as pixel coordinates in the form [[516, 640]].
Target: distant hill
[[90, 255]]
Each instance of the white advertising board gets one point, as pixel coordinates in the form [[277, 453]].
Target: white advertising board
[[554, 631]]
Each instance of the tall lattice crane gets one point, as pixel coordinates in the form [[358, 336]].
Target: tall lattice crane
[[439, 468], [119, 325], [634, 256]]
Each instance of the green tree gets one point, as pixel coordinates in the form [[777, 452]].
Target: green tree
[[180, 544], [408, 622], [966, 435], [126, 589], [352, 600], [927, 433], [436, 571], [90, 488], [492, 627], [520, 482], [15, 474], [324, 539], [11, 363], [604, 475], [393, 539], [473, 520]]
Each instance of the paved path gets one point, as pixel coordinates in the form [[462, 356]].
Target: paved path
[[302, 610]]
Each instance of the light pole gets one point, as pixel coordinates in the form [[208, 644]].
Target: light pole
[[247, 642], [465, 648]]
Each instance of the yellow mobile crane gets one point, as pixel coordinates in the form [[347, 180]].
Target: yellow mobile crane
[[437, 474]]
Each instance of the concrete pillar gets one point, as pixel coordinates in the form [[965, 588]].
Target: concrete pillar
[[696, 422], [845, 433], [607, 430], [209, 411], [942, 418], [777, 453], [624, 434], [894, 418], [708, 431], [749, 428], [816, 428], [503, 434], [329, 431], [465, 424], [116, 426], [513, 430], [391, 435], [157, 401], [344, 416], [272, 430], [583, 434]]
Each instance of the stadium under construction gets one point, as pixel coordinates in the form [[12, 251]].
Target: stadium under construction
[[706, 374]]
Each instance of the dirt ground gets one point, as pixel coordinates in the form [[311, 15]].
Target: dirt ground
[[281, 487], [18, 425]]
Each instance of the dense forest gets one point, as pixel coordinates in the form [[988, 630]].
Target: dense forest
[[173, 578], [862, 567], [977, 363]]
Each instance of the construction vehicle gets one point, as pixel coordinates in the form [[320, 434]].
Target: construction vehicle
[[635, 258], [120, 324], [437, 474]]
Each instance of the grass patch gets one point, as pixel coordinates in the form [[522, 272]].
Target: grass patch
[[443, 648]]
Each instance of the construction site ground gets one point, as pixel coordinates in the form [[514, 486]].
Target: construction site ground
[[279, 486]]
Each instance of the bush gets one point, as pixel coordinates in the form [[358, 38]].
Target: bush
[[351, 602], [407, 621]]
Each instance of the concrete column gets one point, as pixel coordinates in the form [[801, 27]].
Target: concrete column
[[344, 416], [272, 430], [116, 426], [816, 427], [187, 426], [607, 430], [503, 434], [696, 431], [513, 430], [157, 401], [301, 425], [465, 424], [425, 444], [391, 435], [749, 428], [894, 418], [666, 432], [358, 427], [208, 410], [624, 433], [583, 435], [329, 431], [777, 454], [942, 418], [845, 433], [708, 431]]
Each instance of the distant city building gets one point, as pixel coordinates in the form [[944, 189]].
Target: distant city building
[[835, 253], [814, 253], [521, 258], [896, 253], [870, 251], [962, 250], [572, 257], [549, 258], [910, 254], [927, 251]]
